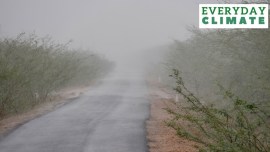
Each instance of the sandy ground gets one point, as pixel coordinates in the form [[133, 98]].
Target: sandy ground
[[60, 98], [160, 137]]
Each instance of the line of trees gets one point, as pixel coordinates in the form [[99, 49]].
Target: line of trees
[[31, 68], [224, 79]]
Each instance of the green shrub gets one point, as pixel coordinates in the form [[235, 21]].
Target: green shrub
[[31, 68], [234, 119], [241, 127], [231, 119]]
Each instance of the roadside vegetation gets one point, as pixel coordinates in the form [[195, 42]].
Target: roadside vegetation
[[33, 68], [223, 79]]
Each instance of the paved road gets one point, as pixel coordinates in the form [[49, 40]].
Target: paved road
[[108, 118]]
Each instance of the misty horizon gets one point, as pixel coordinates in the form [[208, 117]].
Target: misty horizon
[[117, 29]]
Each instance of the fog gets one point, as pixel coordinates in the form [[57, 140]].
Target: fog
[[130, 56], [119, 29]]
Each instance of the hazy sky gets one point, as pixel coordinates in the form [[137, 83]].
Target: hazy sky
[[116, 28]]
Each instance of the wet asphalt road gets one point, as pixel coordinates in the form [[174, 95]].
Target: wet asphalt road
[[107, 118]]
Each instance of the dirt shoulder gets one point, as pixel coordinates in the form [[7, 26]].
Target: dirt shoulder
[[59, 99], [162, 138]]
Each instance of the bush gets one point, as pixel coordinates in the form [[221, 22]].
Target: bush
[[233, 116], [226, 94], [244, 127], [31, 68]]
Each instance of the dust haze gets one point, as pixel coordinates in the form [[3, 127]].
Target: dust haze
[[120, 59], [121, 30]]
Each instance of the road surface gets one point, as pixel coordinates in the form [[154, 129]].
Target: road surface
[[108, 118]]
